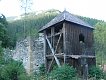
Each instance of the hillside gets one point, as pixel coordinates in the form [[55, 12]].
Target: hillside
[[18, 28]]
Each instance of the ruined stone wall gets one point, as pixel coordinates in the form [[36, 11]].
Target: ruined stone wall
[[30, 53]]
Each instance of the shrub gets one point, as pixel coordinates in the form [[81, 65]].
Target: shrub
[[96, 72], [24, 77], [64, 72], [13, 71], [41, 75], [42, 70], [104, 76]]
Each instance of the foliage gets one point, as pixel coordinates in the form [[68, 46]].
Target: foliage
[[11, 69], [96, 72], [64, 72], [42, 70], [1, 55], [104, 76], [4, 37], [41, 75], [3, 20], [100, 36], [91, 21], [100, 41], [32, 22], [14, 70], [24, 76]]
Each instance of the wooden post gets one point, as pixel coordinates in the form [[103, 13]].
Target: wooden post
[[52, 36], [58, 41], [64, 42], [45, 50]]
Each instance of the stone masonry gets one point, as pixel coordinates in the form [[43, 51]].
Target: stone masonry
[[30, 52]]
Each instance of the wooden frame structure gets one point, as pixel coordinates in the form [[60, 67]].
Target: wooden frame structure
[[63, 40]]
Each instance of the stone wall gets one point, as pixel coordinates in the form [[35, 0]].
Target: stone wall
[[30, 52]]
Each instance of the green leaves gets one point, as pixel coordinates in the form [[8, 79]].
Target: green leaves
[[65, 72], [32, 23], [100, 35], [42, 70], [14, 70], [4, 37], [11, 69], [100, 41], [96, 72]]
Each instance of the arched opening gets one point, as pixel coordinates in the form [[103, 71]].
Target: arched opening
[[81, 38]]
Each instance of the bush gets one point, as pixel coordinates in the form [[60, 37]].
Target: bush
[[64, 72], [41, 75], [104, 76], [96, 72], [14, 70], [42, 70], [1, 56], [24, 77]]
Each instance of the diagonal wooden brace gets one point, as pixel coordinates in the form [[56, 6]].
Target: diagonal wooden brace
[[53, 52]]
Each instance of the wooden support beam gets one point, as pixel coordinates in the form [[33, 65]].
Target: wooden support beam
[[50, 65], [53, 52], [64, 58], [56, 34], [64, 41], [58, 42], [45, 43], [72, 56], [55, 49], [52, 36], [57, 55]]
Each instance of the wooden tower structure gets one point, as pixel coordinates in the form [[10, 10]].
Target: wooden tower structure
[[67, 40]]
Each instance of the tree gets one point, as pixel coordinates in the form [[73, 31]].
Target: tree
[[26, 6], [4, 37], [100, 40]]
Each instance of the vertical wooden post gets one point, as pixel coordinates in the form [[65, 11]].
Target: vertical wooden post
[[64, 42], [52, 37], [45, 60]]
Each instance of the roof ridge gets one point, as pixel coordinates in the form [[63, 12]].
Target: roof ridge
[[64, 14]]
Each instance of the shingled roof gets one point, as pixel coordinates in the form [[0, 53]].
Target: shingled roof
[[65, 16]]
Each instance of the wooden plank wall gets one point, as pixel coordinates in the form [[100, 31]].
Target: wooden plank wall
[[72, 38], [72, 32]]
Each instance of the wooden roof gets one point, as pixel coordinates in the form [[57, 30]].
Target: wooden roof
[[65, 16]]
